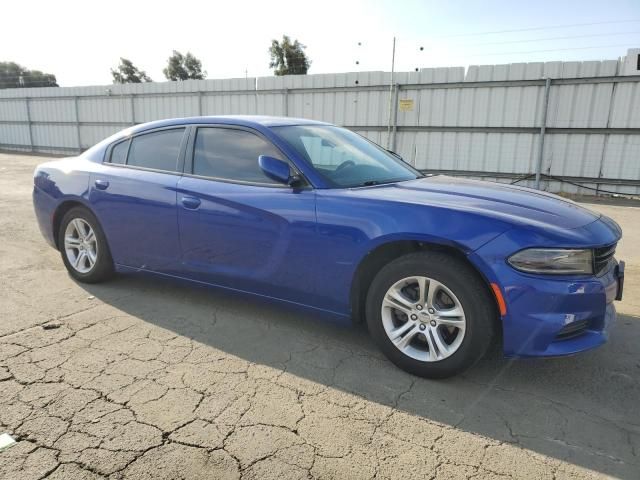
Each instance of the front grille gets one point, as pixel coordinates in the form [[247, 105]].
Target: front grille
[[602, 258], [572, 330]]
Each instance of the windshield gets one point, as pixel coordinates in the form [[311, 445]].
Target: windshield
[[344, 158]]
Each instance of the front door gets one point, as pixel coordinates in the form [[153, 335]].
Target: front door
[[240, 229]]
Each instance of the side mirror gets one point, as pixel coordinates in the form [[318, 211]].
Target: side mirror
[[277, 170]]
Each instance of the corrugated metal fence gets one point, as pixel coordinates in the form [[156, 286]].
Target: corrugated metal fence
[[485, 122]]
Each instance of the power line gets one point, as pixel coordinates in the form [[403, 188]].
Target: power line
[[530, 29], [547, 38], [551, 50]]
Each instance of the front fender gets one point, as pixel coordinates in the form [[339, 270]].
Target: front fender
[[350, 228]]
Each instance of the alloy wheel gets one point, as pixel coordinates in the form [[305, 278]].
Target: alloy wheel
[[80, 245], [423, 318]]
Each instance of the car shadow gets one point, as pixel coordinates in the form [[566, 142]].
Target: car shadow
[[581, 409]]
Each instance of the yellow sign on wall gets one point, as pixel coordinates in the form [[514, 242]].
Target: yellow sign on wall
[[406, 105]]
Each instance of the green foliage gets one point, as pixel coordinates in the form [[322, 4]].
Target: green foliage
[[13, 75], [288, 58], [183, 67], [127, 72]]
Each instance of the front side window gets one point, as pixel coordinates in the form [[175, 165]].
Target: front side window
[[157, 150], [344, 158], [231, 154]]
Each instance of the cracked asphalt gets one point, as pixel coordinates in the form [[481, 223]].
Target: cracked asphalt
[[143, 378]]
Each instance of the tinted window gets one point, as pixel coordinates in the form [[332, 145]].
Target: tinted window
[[157, 150], [231, 154], [119, 152]]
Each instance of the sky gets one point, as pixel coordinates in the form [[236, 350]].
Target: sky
[[80, 41]]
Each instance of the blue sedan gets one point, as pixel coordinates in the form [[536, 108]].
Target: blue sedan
[[315, 215]]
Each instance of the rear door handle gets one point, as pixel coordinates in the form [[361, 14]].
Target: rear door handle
[[102, 184], [191, 203]]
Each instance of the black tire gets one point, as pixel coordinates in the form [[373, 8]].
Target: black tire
[[464, 283], [103, 268]]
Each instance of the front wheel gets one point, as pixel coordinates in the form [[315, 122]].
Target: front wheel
[[84, 247], [431, 314]]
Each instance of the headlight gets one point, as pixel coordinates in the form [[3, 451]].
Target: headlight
[[558, 261]]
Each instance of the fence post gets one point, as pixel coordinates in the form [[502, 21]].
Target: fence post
[[286, 102], [395, 117], [200, 103], [75, 101], [28, 103], [256, 97], [132, 109], [543, 126]]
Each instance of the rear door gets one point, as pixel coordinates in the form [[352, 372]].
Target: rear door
[[239, 228], [134, 196]]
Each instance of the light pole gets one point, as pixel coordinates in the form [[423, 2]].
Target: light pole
[[393, 64], [391, 87]]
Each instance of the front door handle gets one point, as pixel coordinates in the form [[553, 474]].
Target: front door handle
[[102, 184], [190, 202]]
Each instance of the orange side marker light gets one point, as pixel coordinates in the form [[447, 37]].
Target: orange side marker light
[[500, 299]]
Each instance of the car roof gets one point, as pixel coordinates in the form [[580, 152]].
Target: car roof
[[242, 120], [97, 152]]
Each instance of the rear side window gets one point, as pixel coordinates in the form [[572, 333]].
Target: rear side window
[[158, 150], [231, 154], [119, 153]]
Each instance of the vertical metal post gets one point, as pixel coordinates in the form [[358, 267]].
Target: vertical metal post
[[200, 103], [286, 102], [132, 110], [75, 102], [256, 102], [607, 136], [543, 126], [31, 146], [393, 64], [257, 95], [395, 117]]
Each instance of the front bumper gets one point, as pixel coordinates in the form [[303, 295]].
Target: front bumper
[[557, 317], [550, 316]]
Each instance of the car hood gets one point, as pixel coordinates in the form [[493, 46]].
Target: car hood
[[509, 203]]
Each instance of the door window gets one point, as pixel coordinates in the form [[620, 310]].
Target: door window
[[157, 150], [231, 154]]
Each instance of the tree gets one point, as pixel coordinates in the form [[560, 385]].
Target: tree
[[288, 58], [127, 72], [13, 75], [183, 67]]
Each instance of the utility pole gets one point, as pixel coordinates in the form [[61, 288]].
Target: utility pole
[[543, 126], [393, 64]]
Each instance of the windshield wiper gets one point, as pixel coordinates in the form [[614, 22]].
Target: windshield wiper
[[370, 183]]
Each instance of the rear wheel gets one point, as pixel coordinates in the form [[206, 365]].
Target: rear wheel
[[431, 314], [83, 247]]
